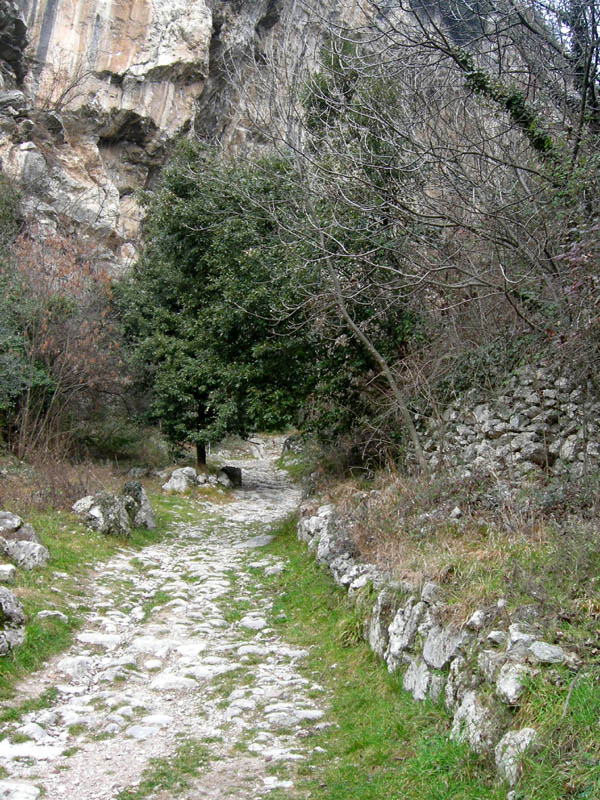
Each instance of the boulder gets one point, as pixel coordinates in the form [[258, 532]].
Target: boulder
[[138, 506], [9, 522], [12, 622], [108, 514], [509, 752], [25, 533], [8, 573], [83, 505], [233, 474], [27, 555], [181, 480]]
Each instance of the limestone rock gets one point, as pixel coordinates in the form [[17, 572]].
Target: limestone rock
[[25, 554], [108, 514], [83, 505], [490, 662], [12, 622], [334, 543], [403, 631], [378, 627], [9, 522], [181, 480], [511, 682], [431, 592], [509, 752], [25, 533], [138, 506], [443, 644], [8, 573], [545, 653], [475, 723], [417, 679], [311, 527], [18, 790]]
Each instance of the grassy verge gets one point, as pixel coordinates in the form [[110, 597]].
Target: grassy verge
[[75, 552], [385, 745]]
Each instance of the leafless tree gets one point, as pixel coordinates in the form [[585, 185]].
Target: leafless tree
[[447, 156]]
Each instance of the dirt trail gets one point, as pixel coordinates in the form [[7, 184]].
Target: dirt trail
[[176, 661]]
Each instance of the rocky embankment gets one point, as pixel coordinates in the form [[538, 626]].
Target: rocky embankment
[[480, 666]]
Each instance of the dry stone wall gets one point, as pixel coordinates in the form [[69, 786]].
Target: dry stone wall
[[541, 419], [478, 668]]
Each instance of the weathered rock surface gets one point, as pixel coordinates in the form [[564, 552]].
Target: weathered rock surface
[[138, 506], [181, 480], [542, 419], [13, 41], [8, 573], [114, 514], [12, 622], [475, 722], [106, 513], [113, 84], [9, 522], [509, 752], [25, 554]]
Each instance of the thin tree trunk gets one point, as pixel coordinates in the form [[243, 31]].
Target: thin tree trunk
[[200, 454], [361, 336]]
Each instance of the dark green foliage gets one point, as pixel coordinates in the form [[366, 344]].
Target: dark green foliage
[[203, 305]]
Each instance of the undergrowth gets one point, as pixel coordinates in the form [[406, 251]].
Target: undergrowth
[[484, 540]]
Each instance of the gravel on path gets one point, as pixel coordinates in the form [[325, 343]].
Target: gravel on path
[[177, 650]]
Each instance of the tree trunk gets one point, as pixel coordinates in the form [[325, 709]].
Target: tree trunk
[[200, 454]]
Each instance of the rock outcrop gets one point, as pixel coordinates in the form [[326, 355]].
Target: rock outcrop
[[12, 622], [117, 514], [113, 83], [20, 544], [13, 41]]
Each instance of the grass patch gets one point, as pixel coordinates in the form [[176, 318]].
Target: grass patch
[[523, 546], [158, 599], [171, 774], [565, 711], [15, 713]]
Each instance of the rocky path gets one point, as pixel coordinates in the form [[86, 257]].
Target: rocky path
[[176, 665]]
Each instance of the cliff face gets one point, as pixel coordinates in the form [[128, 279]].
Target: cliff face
[[111, 84]]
